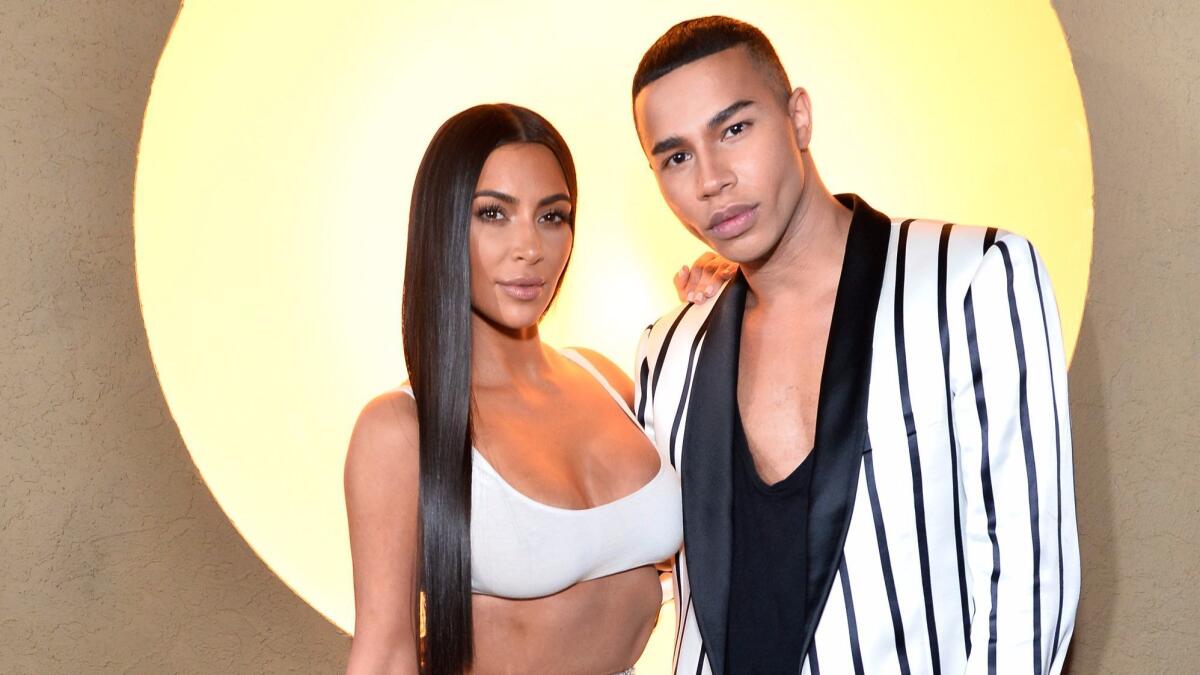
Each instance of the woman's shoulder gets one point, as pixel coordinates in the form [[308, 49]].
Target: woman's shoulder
[[611, 372], [385, 434], [602, 363]]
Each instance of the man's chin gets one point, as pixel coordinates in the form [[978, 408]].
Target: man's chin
[[742, 251]]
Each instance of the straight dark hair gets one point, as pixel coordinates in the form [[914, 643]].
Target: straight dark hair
[[437, 349], [694, 39]]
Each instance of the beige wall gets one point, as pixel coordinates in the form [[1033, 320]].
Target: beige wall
[[1135, 380], [114, 557]]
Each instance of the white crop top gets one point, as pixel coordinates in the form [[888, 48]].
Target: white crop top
[[522, 548]]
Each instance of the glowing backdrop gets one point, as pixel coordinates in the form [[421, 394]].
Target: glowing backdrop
[[281, 140]]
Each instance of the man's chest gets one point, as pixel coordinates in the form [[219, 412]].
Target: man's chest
[[779, 389]]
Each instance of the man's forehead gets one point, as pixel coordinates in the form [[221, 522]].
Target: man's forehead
[[693, 93]]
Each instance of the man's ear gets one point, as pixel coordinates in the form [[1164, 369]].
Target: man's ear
[[800, 111]]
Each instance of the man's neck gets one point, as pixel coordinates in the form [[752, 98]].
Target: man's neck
[[807, 261]]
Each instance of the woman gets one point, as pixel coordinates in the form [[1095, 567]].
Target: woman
[[535, 549]]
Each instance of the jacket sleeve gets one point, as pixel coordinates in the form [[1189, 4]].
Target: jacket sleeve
[[1014, 434], [643, 405]]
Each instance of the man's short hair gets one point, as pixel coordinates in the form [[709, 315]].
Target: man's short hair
[[695, 39]]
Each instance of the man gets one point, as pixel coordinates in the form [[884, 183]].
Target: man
[[870, 420]]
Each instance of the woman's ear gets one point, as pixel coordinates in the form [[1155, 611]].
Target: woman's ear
[[800, 111]]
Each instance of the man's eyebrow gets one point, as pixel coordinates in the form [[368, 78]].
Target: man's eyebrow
[[721, 117], [672, 142], [669, 143], [506, 198], [560, 197]]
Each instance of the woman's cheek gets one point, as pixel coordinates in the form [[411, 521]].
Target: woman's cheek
[[480, 249], [568, 243]]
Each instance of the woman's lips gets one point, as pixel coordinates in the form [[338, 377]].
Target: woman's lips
[[737, 223], [522, 289]]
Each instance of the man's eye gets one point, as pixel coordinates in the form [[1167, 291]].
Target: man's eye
[[735, 129], [676, 159]]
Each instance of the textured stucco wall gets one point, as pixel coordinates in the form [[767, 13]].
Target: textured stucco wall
[[1136, 374], [114, 557]]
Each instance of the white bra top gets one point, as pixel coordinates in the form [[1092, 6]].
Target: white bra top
[[522, 548]]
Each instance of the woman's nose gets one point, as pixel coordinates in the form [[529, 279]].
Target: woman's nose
[[527, 244]]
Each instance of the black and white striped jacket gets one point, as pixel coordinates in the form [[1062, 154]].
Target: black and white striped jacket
[[942, 537]]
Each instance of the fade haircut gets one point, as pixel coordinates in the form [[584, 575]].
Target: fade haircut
[[695, 39]]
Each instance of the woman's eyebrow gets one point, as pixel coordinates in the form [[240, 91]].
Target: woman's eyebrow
[[560, 197], [506, 198]]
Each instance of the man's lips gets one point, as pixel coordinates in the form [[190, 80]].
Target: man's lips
[[731, 211], [732, 220]]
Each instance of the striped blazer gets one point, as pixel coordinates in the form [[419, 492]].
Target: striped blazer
[[942, 535]]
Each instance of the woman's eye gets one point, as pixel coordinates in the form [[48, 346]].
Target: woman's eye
[[555, 217], [490, 213]]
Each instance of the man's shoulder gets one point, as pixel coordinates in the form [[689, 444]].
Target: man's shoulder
[[955, 258], [955, 247], [931, 230], [683, 325]]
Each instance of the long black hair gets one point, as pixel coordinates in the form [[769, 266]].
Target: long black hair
[[437, 349]]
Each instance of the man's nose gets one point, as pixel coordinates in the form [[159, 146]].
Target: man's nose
[[713, 177]]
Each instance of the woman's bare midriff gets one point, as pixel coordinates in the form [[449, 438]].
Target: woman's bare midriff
[[592, 628]]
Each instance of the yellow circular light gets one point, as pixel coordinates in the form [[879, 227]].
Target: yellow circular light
[[282, 137]]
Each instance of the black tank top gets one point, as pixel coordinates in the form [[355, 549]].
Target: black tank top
[[769, 575]]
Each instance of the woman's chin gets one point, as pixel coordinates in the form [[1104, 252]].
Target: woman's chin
[[519, 319]]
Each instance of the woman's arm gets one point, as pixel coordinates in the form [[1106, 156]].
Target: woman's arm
[[381, 479]]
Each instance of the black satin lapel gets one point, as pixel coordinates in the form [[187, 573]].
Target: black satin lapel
[[841, 434], [706, 480]]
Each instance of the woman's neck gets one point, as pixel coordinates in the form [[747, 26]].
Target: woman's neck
[[503, 357]]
